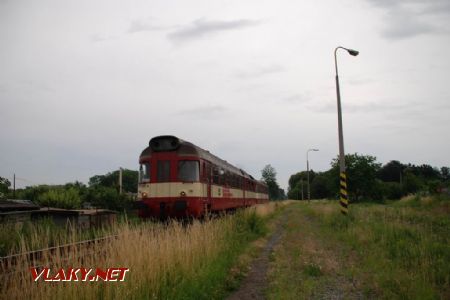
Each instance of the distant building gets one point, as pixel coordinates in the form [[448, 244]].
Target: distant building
[[21, 211]]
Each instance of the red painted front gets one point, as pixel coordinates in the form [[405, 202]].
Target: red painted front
[[172, 207]]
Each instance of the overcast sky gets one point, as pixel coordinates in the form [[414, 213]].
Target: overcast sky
[[84, 85]]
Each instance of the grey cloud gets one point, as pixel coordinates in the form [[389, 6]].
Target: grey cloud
[[402, 25], [411, 18], [383, 3], [204, 112], [260, 71], [418, 6], [326, 108], [361, 108], [201, 27], [143, 25], [393, 110], [359, 81], [439, 7], [297, 98], [96, 38]]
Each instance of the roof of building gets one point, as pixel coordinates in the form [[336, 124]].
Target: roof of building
[[17, 205]]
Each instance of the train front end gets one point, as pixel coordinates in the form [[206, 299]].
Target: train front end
[[169, 180]]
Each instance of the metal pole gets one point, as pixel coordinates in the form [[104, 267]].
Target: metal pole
[[342, 175], [14, 186], [307, 171], [120, 181], [340, 129], [301, 183], [307, 175]]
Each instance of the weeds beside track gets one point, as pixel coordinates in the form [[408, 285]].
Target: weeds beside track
[[399, 250], [165, 261]]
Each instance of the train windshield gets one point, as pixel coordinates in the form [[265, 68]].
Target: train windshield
[[188, 170], [144, 172]]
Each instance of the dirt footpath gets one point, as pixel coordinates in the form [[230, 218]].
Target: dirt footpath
[[254, 285], [299, 262]]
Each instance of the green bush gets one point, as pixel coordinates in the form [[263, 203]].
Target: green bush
[[60, 198], [250, 225], [108, 197], [392, 190]]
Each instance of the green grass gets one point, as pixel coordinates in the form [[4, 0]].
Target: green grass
[[35, 235], [396, 251], [212, 279]]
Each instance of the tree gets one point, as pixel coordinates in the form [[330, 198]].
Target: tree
[[361, 176], [297, 184], [427, 172], [392, 190], [445, 173], [4, 186], [412, 182], [392, 171], [111, 179], [269, 176], [321, 186]]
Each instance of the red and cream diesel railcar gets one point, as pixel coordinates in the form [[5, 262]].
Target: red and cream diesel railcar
[[178, 179]]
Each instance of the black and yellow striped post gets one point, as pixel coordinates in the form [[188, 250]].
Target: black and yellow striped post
[[343, 193], [342, 176]]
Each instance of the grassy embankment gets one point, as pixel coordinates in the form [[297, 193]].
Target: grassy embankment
[[395, 251], [198, 261]]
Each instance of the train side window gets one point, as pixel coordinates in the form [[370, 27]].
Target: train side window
[[163, 171], [221, 176], [203, 171], [208, 172], [188, 170], [226, 179], [215, 175]]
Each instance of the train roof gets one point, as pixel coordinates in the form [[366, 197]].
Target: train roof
[[167, 143]]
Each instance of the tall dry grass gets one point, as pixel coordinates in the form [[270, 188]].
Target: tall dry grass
[[165, 261], [269, 208]]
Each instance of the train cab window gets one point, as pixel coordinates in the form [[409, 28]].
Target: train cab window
[[163, 170], [188, 170], [144, 172]]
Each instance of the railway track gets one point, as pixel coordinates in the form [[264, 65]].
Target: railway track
[[16, 262]]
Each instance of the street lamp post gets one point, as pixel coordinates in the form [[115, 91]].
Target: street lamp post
[[307, 171], [301, 183], [343, 178]]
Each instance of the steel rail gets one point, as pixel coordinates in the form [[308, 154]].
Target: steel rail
[[7, 262]]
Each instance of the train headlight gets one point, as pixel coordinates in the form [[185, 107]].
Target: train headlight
[[144, 195], [183, 194]]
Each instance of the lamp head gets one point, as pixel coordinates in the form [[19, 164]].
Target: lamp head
[[353, 52]]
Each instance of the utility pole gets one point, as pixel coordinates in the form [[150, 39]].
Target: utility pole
[[307, 171], [14, 186], [301, 183], [120, 181]]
